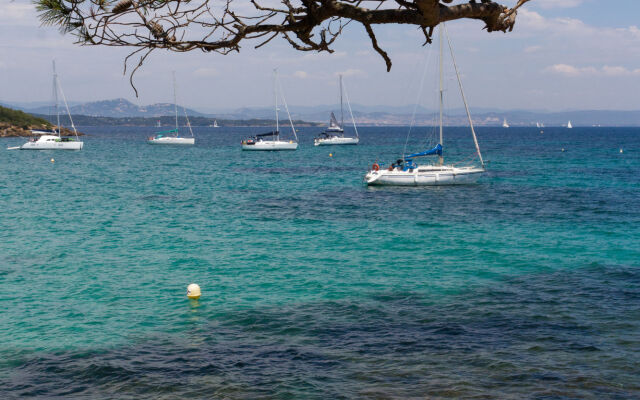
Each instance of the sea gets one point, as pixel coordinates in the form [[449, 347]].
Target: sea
[[315, 286]]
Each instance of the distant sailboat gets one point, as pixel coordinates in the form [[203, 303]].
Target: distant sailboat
[[505, 124], [52, 140], [259, 142], [158, 125], [334, 134], [215, 123], [172, 136], [569, 126]]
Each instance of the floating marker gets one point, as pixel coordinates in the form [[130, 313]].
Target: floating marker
[[193, 291], [563, 149], [330, 154], [52, 160], [621, 151]]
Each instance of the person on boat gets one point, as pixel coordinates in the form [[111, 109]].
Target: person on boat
[[400, 164]]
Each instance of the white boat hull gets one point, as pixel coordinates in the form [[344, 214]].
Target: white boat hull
[[270, 145], [172, 141], [425, 176], [48, 142], [335, 141]]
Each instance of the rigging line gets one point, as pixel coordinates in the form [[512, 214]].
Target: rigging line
[[418, 98], [284, 101], [464, 99], [188, 122], [67, 106], [353, 120]]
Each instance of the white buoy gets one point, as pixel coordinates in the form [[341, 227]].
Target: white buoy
[[563, 149], [620, 150], [52, 160], [193, 291]]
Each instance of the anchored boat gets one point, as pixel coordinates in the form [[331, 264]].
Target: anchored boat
[[52, 139], [334, 134], [172, 136], [406, 172], [261, 142]]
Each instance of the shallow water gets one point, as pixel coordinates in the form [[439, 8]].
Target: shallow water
[[315, 286]]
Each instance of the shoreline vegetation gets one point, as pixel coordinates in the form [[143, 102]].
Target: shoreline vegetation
[[15, 123]]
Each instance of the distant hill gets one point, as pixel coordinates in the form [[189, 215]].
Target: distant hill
[[18, 123], [169, 121], [365, 115], [120, 108]]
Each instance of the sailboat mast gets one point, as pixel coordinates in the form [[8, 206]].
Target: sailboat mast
[[464, 98], [175, 101], [441, 158], [341, 107], [275, 94], [55, 96]]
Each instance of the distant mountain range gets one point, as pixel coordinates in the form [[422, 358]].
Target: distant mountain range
[[364, 115]]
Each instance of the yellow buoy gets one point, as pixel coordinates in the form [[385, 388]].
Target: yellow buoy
[[193, 291], [52, 160], [330, 154]]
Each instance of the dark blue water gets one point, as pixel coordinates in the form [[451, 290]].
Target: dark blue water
[[526, 285]]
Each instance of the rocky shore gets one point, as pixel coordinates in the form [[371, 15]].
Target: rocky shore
[[9, 130]]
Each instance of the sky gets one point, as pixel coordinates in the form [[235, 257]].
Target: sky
[[562, 55]]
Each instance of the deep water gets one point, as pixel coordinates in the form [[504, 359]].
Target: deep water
[[526, 285]]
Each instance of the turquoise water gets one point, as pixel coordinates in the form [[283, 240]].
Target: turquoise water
[[315, 286]]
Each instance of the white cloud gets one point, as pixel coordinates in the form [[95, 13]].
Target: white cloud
[[301, 74], [351, 72], [206, 72], [557, 3], [607, 70]]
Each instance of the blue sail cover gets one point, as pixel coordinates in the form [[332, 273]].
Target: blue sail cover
[[436, 150]]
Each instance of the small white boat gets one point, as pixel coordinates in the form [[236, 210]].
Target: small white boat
[[51, 142], [215, 123], [260, 142], [175, 140], [569, 126], [405, 172], [52, 139], [505, 124], [172, 137], [334, 134]]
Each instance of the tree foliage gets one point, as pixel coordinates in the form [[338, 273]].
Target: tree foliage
[[223, 26]]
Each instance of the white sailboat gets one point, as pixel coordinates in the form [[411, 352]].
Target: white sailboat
[[569, 126], [334, 134], [259, 142], [406, 172], [52, 140], [505, 124], [215, 123], [172, 137]]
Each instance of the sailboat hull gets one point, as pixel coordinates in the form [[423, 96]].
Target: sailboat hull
[[173, 141], [335, 141], [269, 145], [48, 142], [425, 176]]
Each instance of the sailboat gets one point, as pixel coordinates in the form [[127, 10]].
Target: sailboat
[[215, 123], [52, 140], [505, 124], [569, 126], [406, 172], [260, 142], [334, 134], [172, 137]]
